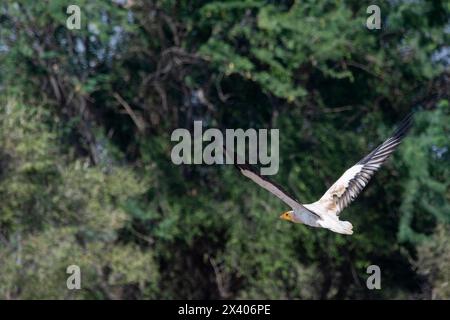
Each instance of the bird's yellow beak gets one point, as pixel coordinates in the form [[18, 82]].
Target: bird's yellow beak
[[286, 216]]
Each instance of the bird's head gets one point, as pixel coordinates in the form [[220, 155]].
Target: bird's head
[[288, 215]]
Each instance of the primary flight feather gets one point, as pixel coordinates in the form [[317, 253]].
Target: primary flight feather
[[325, 212]]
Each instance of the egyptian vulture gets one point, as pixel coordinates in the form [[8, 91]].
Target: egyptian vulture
[[324, 213]]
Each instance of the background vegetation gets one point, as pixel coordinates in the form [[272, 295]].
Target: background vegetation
[[85, 171]]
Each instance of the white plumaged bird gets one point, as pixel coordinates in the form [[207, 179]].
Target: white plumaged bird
[[325, 212]]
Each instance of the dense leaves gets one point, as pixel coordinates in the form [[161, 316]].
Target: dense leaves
[[86, 176]]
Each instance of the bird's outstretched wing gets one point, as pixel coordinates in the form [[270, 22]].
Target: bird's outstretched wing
[[353, 181], [269, 185], [251, 173]]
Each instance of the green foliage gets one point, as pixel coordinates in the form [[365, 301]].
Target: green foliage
[[433, 261], [426, 193], [85, 170], [57, 212]]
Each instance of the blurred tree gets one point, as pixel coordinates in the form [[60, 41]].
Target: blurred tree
[[57, 212], [100, 104], [432, 263]]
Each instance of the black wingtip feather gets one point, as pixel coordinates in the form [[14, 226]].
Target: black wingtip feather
[[404, 126], [394, 140]]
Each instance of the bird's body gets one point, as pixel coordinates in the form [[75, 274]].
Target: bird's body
[[325, 212], [320, 218]]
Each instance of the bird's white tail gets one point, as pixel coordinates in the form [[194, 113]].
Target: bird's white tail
[[346, 227], [338, 226]]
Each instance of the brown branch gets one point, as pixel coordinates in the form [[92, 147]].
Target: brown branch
[[137, 121], [223, 291]]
